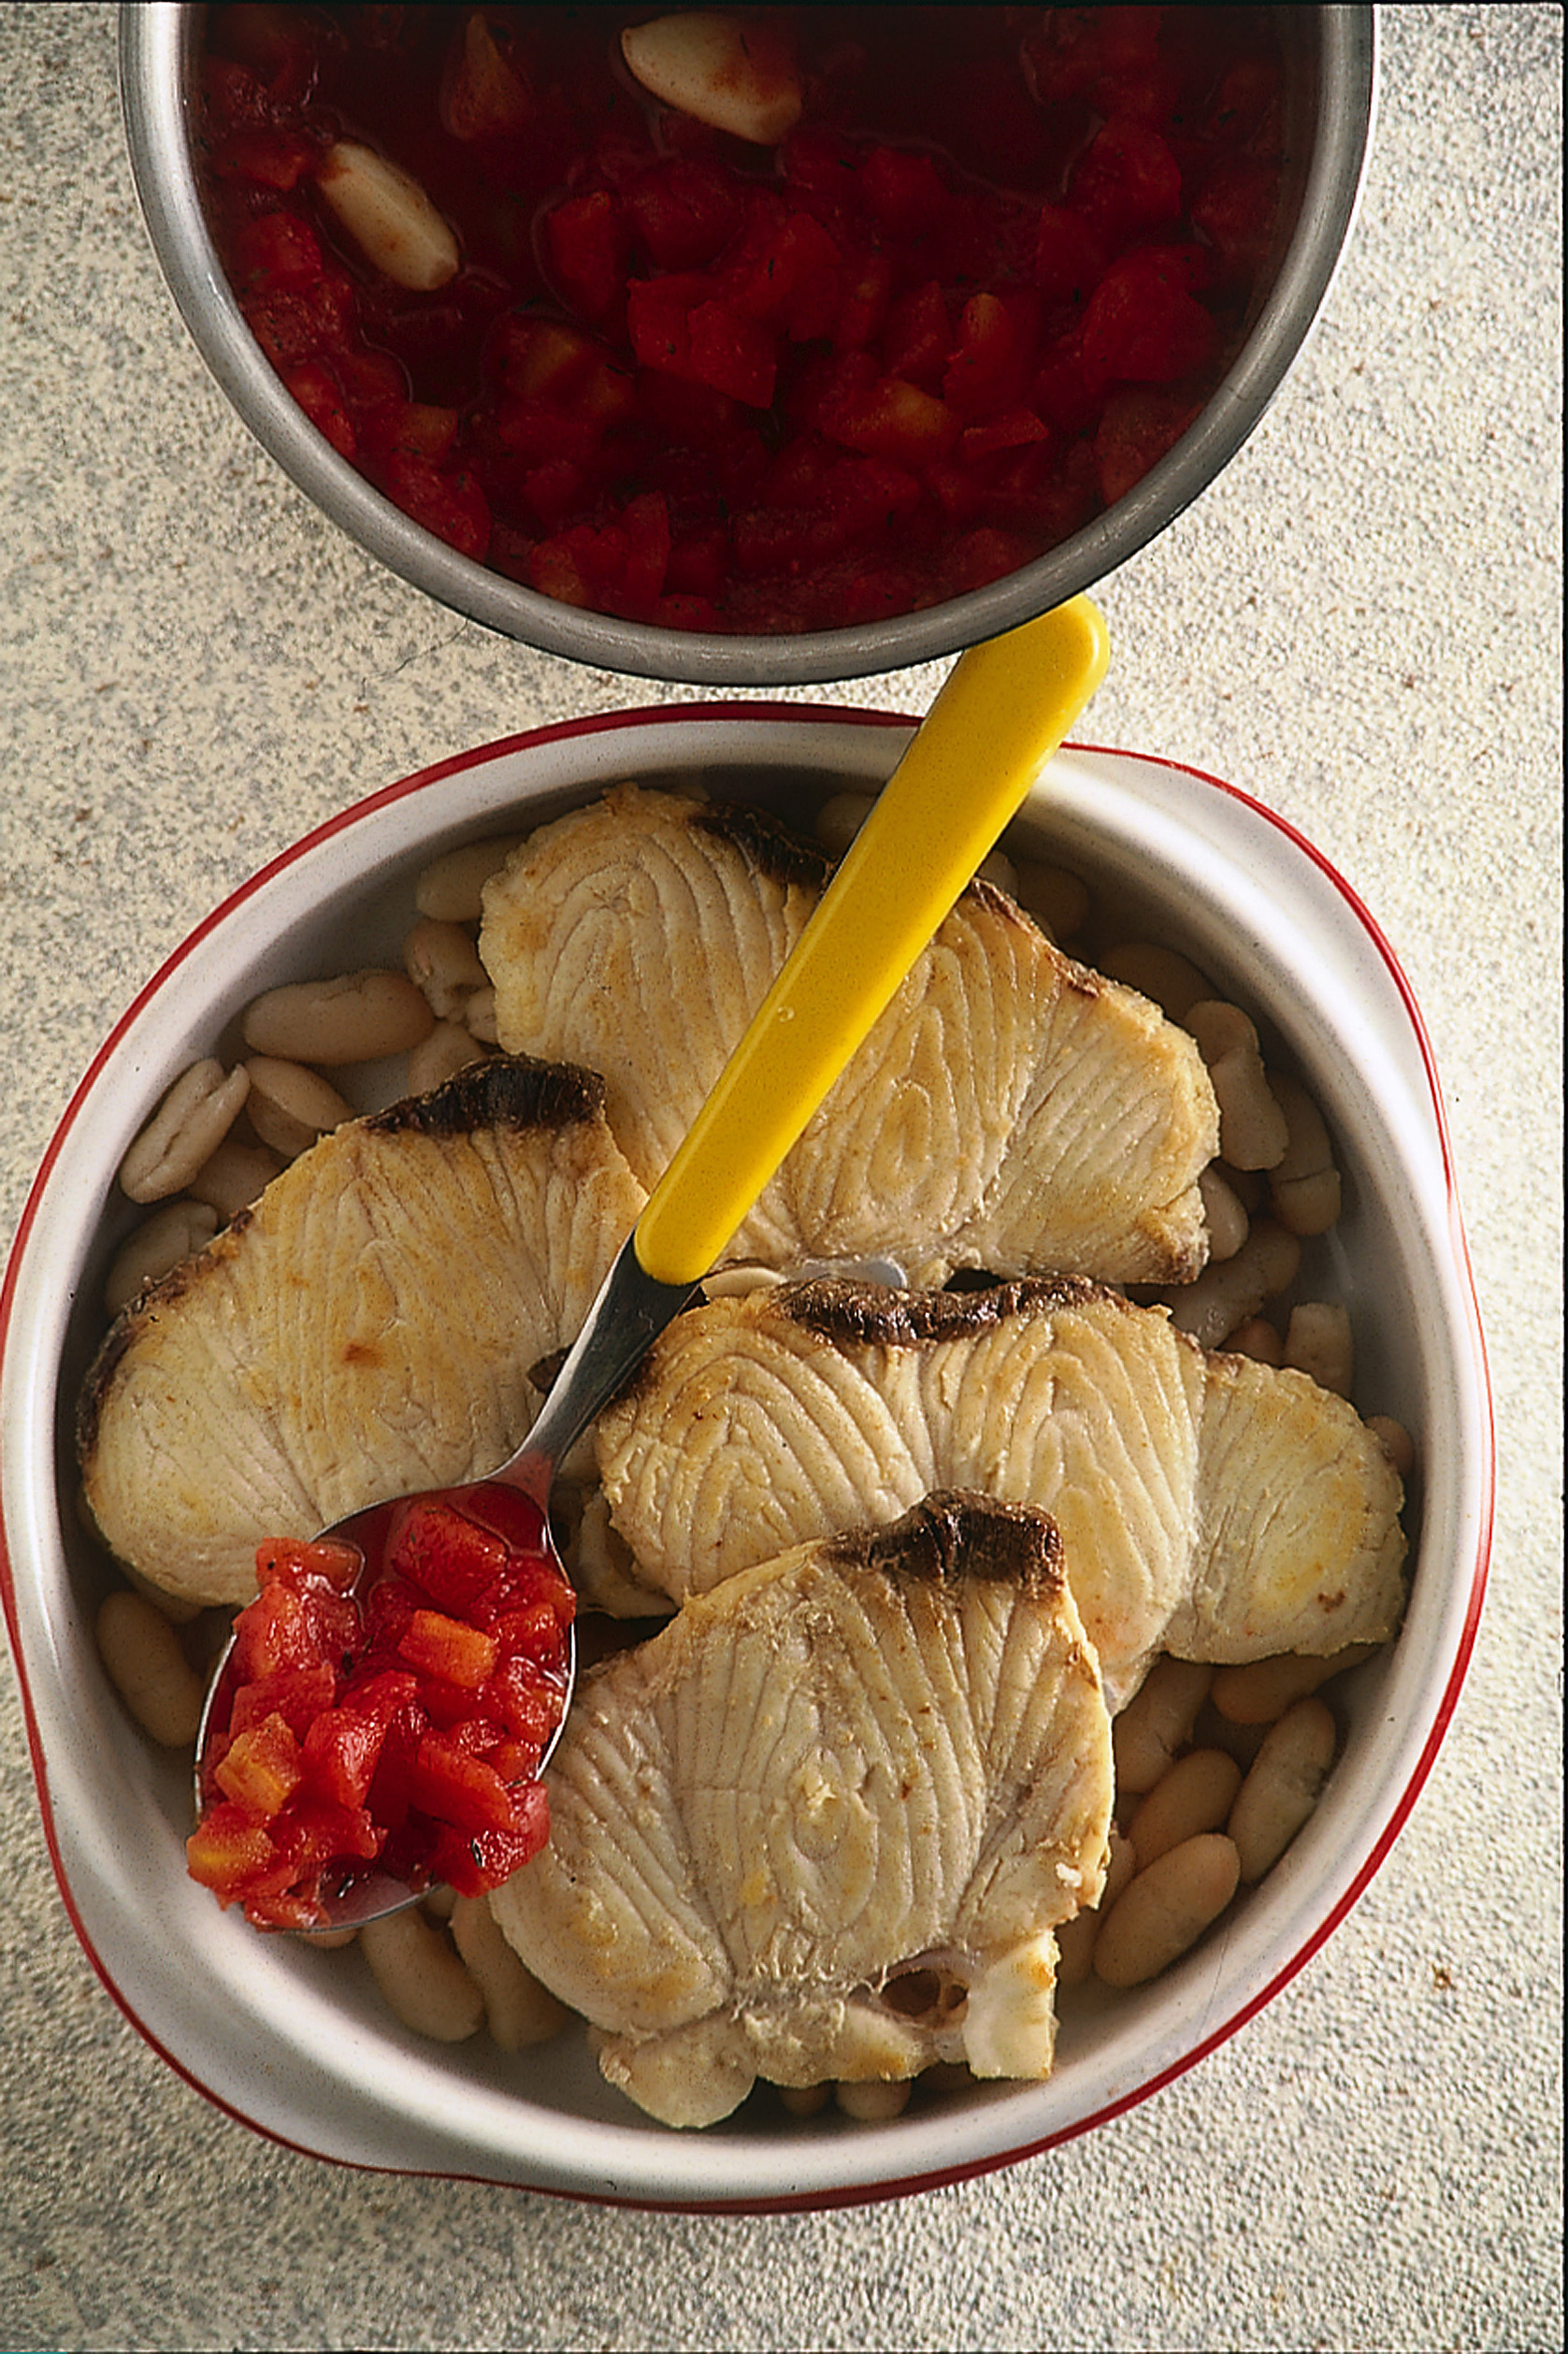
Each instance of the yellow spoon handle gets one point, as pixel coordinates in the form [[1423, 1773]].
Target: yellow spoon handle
[[1001, 712]]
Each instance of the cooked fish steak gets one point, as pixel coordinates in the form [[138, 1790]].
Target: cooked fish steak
[[1010, 1110], [1208, 1504], [366, 1330], [824, 1824]]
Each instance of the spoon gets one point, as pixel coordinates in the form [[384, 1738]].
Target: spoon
[[1002, 711]]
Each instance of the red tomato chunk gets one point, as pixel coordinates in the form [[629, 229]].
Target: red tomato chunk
[[986, 282], [403, 1732]]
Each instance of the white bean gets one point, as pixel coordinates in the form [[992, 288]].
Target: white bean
[[1057, 899], [478, 1017], [804, 2100], [1162, 974], [1252, 1130], [451, 888], [1226, 1296], [389, 217], [290, 1106], [1304, 1184], [235, 1176], [1166, 1909], [355, 1017], [443, 963], [175, 1608], [1318, 1342], [840, 819], [1259, 1691], [735, 77], [999, 870], [1195, 1795], [484, 98], [518, 2010], [1223, 1215], [422, 1981], [173, 1234], [193, 1120], [148, 1667], [1283, 1788], [1259, 1339], [1395, 1441], [1075, 1938], [450, 1047], [739, 1282], [1157, 1721], [874, 2102]]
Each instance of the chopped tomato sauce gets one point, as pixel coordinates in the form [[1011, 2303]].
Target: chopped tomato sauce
[[398, 1726], [988, 278]]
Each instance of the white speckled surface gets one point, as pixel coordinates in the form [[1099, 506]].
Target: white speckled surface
[[1360, 625]]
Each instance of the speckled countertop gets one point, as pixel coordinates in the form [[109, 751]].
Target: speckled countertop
[[1360, 624]]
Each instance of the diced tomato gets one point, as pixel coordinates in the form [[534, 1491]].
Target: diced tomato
[[560, 568], [698, 563], [267, 159], [455, 1788], [1139, 426], [418, 428], [917, 341], [442, 1549], [1069, 259], [733, 355], [862, 312], [285, 1628], [229, 1850], [905, 193], [235, 102], [449, 504], [1236, 208], [341, 1752], [678, 611], [886, 417], [368, 377], [1128, 182], [436, 1645], [297, 1694], [988, 220], [262, 1769], [589, 247], [1141, 325], [994, 355], [554, 490], [683, 211], [658, 311], [300, 322], [541, 359], [789, 275], [476, 1861], [1014, 428], [1245, 109], [318, 395], [984, 556]]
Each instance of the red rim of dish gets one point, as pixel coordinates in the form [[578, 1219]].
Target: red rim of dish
[[857, 2194]]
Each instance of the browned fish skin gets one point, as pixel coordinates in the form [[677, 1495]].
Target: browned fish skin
[[365, 1330], [874, 1761], [1208, 1504], [1011, 1109]]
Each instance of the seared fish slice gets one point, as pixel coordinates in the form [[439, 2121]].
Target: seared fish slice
[[1011, 1110], [365, 1330], [823, 1824], [1208, 1504]]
